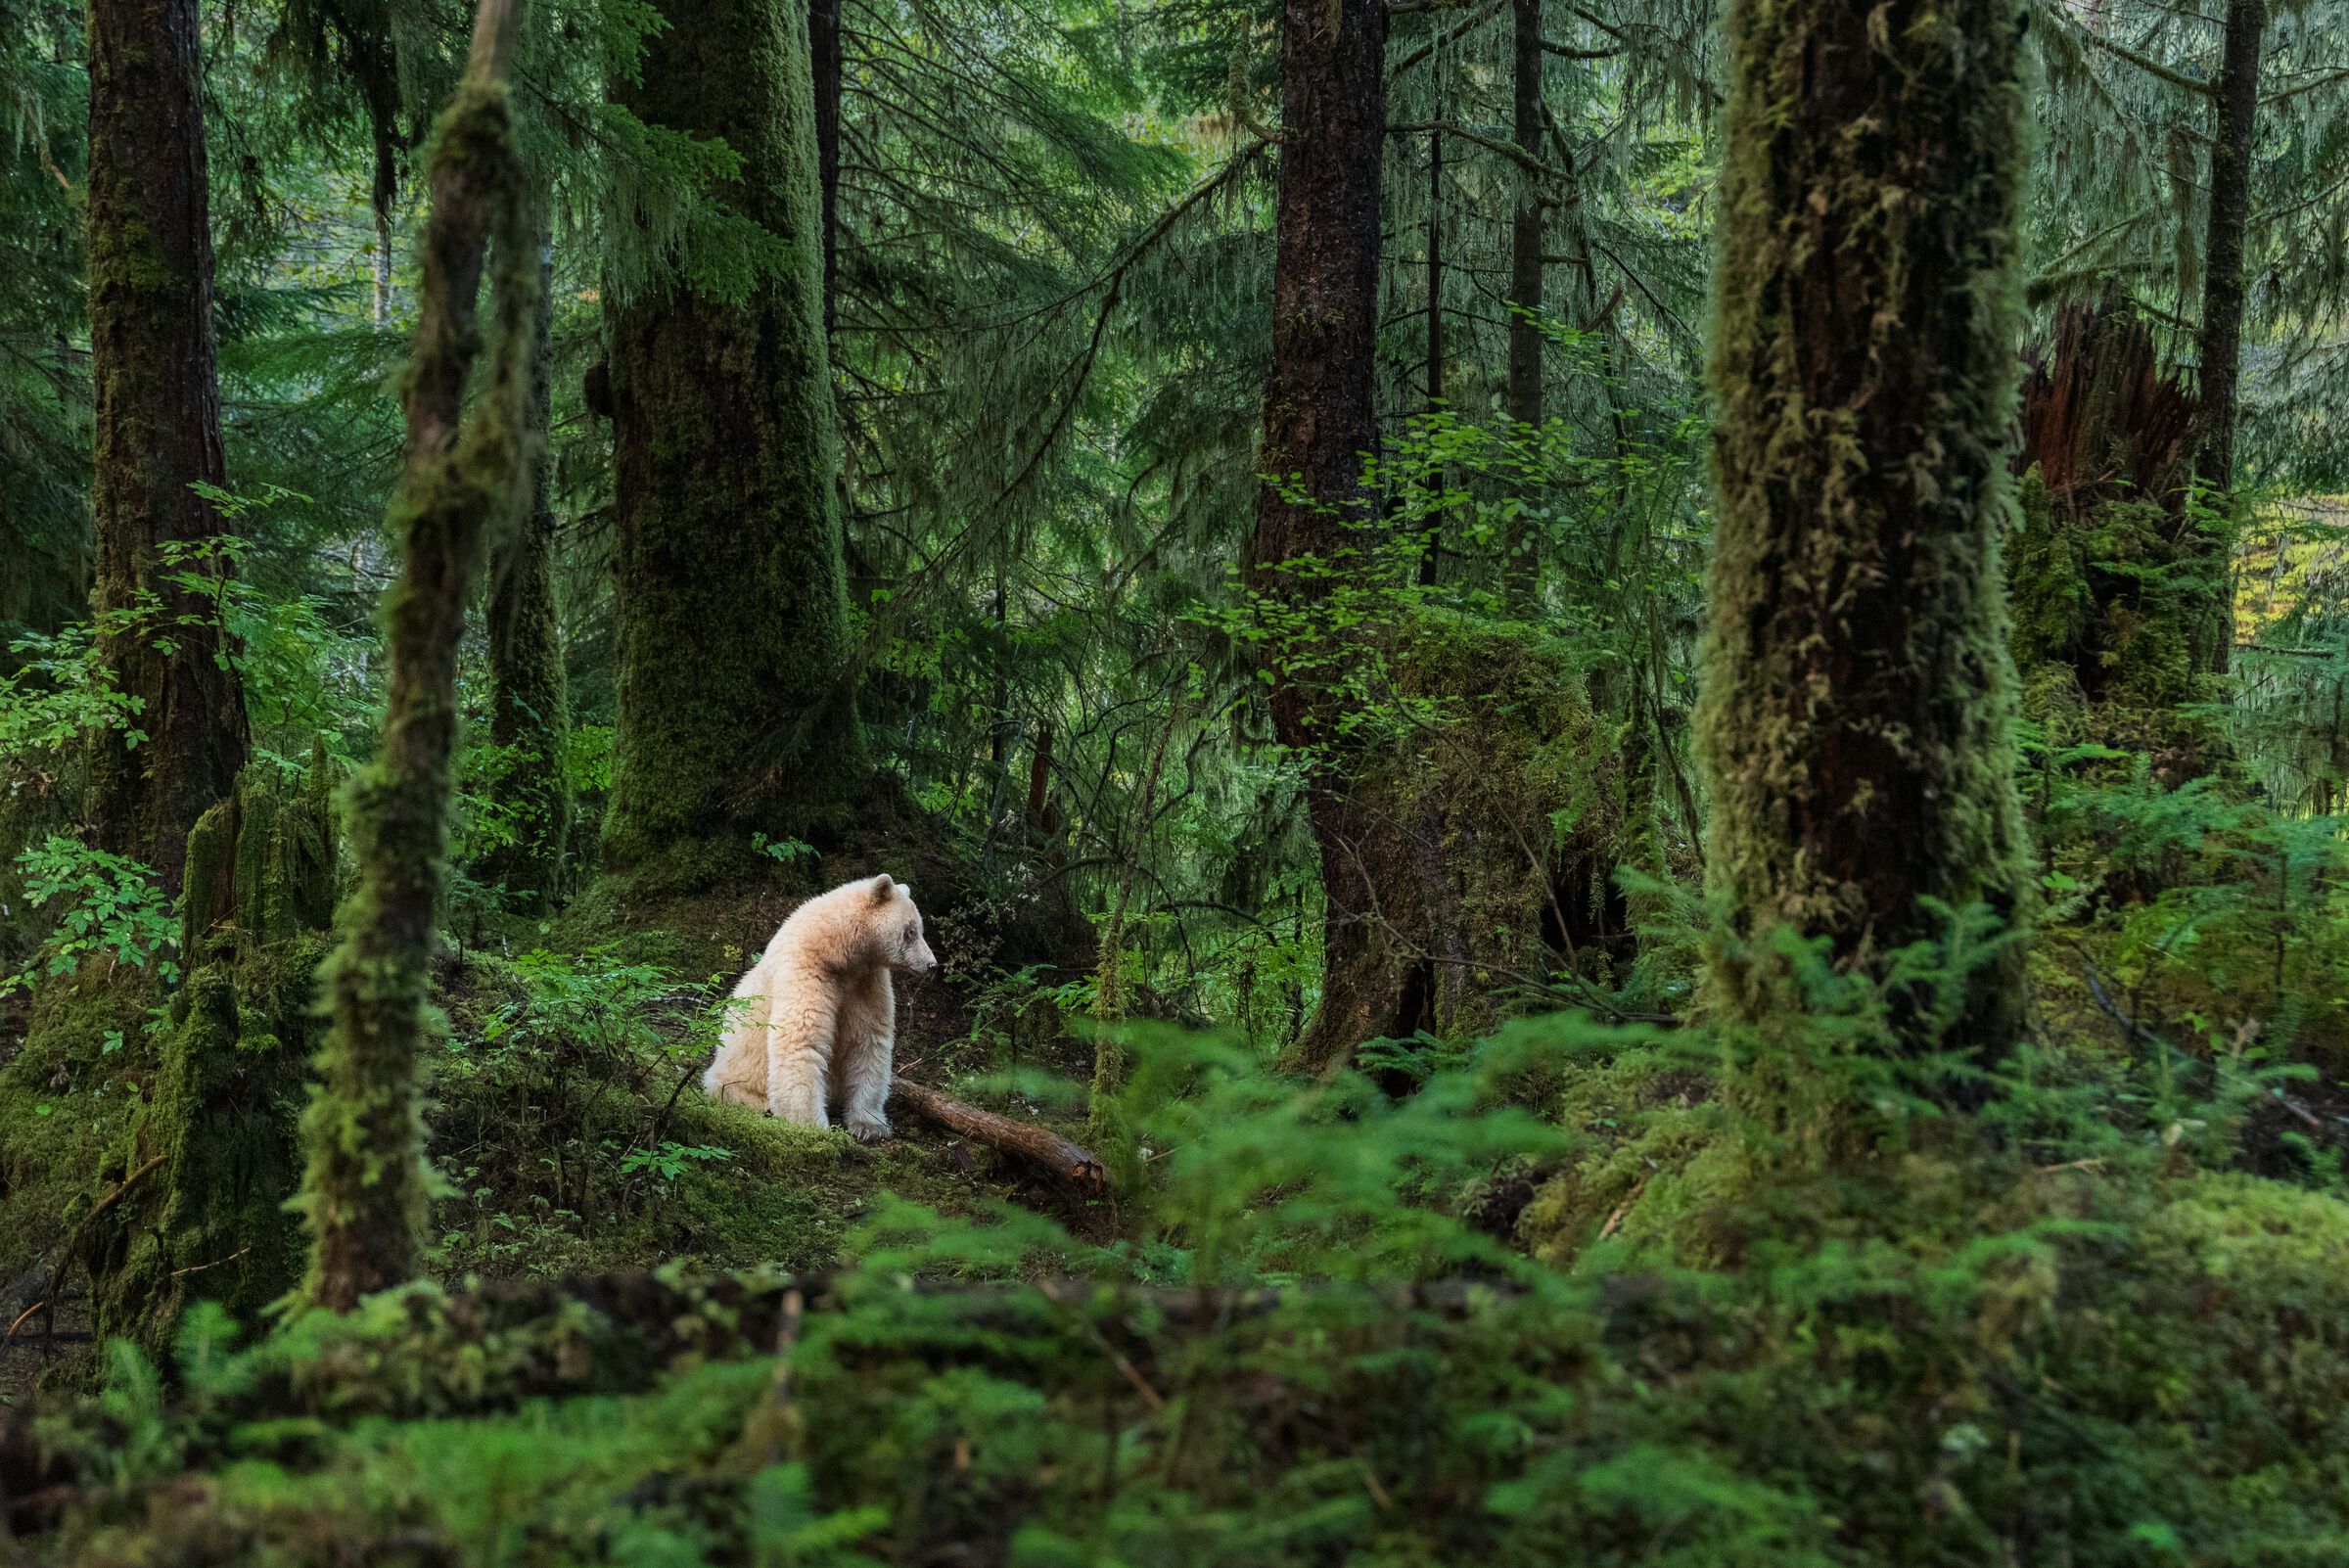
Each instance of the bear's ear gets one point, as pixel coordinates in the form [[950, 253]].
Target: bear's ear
[[884, 890]]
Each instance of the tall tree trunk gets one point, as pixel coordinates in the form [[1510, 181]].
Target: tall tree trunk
[[364, 1194], [823, 49], [530, 710], [1431, 549], [156, 429], [2223, 281], [1521, 572], [1858, 689], [737, 702], [1318, 423]]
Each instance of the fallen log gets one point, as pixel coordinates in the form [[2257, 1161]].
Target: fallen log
[[1067, 1161]]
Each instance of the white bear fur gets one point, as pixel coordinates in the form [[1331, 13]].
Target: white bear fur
[[816, 1018]]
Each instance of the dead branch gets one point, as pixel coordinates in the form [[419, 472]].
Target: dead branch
[[1039, 1146]]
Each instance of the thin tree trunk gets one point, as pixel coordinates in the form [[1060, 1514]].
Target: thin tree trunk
[[2223, 281], [157, 430], [529, 709], [1434, 329], [1521, 571], [385, 196], [364, 1195], [1858, 689], [737, 699], [1318, 425], [1435, 270], [823, 49]]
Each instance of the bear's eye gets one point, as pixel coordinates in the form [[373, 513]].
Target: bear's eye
[[911, 933]]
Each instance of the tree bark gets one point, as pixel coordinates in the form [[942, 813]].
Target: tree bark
[[737, 702], [157, 430], [2229, 214], [1318, 426], [1858, 689], [1521, 572], [530, 710], [823, 49], [2222, 284], [364, 1193]]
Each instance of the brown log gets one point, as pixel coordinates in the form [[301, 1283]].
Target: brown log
[[1039, 1146]]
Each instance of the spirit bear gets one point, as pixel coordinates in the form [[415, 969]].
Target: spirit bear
[[817, 1016]]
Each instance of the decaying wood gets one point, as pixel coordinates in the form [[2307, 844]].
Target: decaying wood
[[1039, 1146]]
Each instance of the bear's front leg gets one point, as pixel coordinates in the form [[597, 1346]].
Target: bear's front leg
[[798, 1058], [868, 1047]]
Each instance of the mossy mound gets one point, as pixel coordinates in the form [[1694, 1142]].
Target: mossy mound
[[2120, 624], [1486, 803], [2090, 1370], [566, 1116], [67, 1094], [148, 1141]]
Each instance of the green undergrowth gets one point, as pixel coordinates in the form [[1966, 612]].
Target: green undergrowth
[[66, 1094], [1766, 1305]]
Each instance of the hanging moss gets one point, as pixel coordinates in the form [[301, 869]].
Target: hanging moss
[[1856, 684], [737, 699]]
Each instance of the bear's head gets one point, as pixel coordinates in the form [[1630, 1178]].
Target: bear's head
[[896, 925]]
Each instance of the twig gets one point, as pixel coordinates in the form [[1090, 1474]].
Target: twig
[[198, 1268]]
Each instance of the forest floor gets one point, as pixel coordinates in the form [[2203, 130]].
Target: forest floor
[[575, 1140]]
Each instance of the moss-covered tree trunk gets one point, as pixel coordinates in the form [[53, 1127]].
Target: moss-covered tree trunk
[[156, 429], [200, 1180], [1318, 425], [364, 1194], [2223, 281], [737, 699], [530, 710], [1858, 688]]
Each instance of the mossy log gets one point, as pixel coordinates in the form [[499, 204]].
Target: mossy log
[[1057, 1157]]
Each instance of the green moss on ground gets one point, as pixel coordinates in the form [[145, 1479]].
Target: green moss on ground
[[2008, 1364]]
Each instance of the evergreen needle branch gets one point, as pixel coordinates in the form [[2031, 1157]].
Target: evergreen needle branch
[[2061, 17], [1508, 149]]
